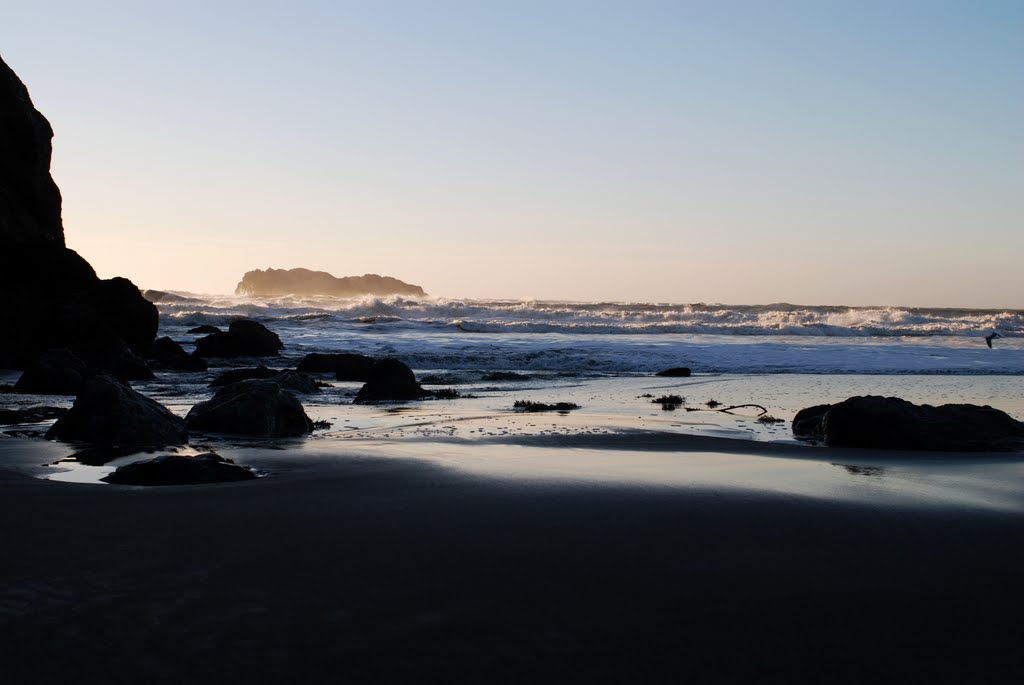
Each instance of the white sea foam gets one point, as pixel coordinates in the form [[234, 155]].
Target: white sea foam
[[439, 333]]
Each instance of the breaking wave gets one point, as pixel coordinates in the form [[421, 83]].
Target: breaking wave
[[608, 318]]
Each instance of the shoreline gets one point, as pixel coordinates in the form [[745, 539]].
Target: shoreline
[[451, 542]]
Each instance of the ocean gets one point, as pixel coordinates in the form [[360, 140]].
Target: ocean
[[588, 339]]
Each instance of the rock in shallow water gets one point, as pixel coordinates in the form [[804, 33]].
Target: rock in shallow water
[[55, 372], [108, 412], [894, 423], [174, 469], [243, 339], [258, 408], [166, 354], [675, 372], [345, 366], [390, 380], [236, 375], [294, 381]]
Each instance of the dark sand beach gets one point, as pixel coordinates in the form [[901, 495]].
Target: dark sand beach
[[390, 569]]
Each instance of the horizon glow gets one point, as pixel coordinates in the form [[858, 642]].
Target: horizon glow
[[735, 152]]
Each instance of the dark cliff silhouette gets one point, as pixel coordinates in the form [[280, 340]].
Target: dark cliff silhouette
[[277, 282], [29, 199], [53, 298]]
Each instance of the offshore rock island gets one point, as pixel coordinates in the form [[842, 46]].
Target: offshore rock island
[[278, 282]]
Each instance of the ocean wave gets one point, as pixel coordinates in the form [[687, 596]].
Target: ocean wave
[[530, 316], [611, 338]]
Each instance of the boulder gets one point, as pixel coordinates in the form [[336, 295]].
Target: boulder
[[243, 338], [675, 372], [502, 376], [56, 301], [108, 412], [161, 296], [55, 372], [293, 381], [390, 380], [345, 366], [808, 422], [894, 423], [95, 343], [235, 375], [257, 408], [165, 353], [296, 381], [128, 314], [175, 469], [204, 330]]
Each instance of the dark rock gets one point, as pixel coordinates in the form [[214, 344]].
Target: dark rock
[[56, 372], [808, 422], [165, 353], [204, 330], [293, 381], [531, 406], [160, 296], [236, 375], [893, 423], [255, 407], [390, 380], [123, 308], [344, 366], [30, 415], [497, 376], [96, 343], [107, 412], [30, 203], [277, 282], [54, 300], [52, 297], [675, 372], [296, 381], [243, 339], [174, 469]]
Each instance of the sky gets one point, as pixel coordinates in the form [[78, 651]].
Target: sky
[[861, 153]]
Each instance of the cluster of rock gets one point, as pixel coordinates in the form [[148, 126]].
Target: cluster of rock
[[279, 282], [893, 423], [257, 402]]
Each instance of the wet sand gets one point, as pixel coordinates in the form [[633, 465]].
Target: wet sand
[[366, 564]]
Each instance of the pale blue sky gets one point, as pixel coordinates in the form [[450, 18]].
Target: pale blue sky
[[740, 152]]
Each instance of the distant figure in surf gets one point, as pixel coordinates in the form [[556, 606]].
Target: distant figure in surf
[[990, 337]]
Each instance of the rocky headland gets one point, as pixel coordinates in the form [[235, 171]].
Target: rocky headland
[[54, 299], [278, 282]]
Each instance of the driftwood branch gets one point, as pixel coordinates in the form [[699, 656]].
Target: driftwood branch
[[728, 410]]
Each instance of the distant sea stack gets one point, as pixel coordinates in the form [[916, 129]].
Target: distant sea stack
[[53, 298], [278, 282]]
